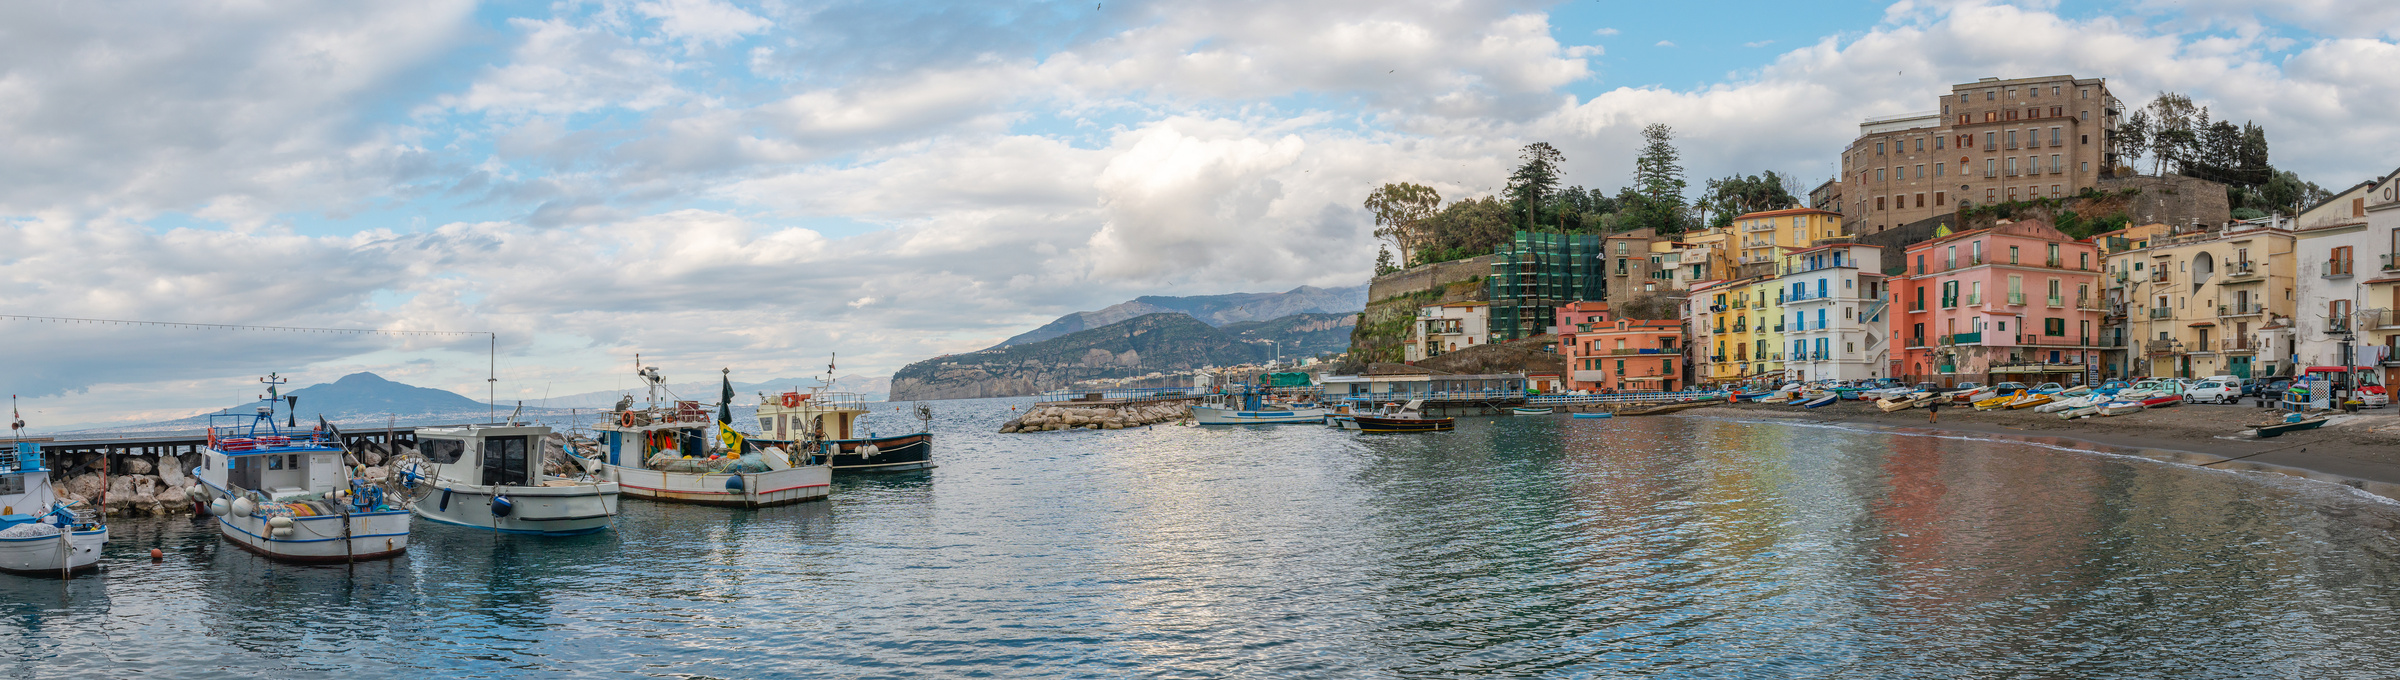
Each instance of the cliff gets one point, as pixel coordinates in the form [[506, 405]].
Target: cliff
[[1133, 347]]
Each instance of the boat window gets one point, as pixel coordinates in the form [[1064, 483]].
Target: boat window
[[274, 462], [505, 462], [442, 451], [11, 485]]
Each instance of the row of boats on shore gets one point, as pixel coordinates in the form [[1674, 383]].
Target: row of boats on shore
[[301, 495], [2112, 398]]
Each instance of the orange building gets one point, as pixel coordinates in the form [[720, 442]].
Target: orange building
[[1621, 355]]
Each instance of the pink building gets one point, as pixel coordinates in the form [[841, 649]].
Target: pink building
[[1604, 353], [2019, 301]]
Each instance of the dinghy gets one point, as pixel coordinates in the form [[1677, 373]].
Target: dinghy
[[1602, 414], [1989, 403], [2118, 408], [1821, 401], [1529, 411], [2277, 429], [2072, 413], [2029, 401]]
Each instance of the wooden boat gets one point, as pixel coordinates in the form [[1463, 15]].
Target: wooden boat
[[1990, 403], [2277, 429], [2069, 403], [661, 452], [825, 423], [2163, 401], [2118, 408], [1970, 396], [496, 478], [1663, 409], [1602, 414], [1397, 418], [2076, 391], [2078, 411], [1821, 402], [2029, 401], [1905, 402], [1778, 398], [1529, 411]]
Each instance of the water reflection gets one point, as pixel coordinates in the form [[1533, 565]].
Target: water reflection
[[1672, 547]]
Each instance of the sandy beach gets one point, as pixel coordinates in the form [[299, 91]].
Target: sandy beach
[[2364, 446]]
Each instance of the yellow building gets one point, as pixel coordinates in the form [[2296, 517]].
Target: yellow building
[[1760, 233], [2207, 303], [1736, 330], [1765, 306]]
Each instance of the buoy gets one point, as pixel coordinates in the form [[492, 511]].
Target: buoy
[[733, 483], [869, 450], [243, 506], [285, 532], [218, 507], [501, 506], [156, 555], [196, 492], [280, 522]]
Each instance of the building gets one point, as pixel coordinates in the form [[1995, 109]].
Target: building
[[1988, 141], [1708, 321], [1631, 266], [2201, 303], [1535, 272], [2114, 331], [2349, 281], [1764, 235], [1720, 260], [1737, 334], [1764, 302], [1834, 296], [2019, 301], [1447, 327], [1827, 196], [1625, 355]]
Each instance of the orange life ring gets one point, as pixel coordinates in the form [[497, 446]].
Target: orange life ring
[[625, 418], [791, 400]]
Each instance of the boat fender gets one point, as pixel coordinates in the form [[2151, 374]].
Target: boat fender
[[733, 483], [445, 504], [869, 450], [280, 522], [196, 492], [243, 506], [284, 532], [501, 506], [219, 507]]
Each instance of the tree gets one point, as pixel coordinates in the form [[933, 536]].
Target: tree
[[2173, 134], [1733, 196], [1400, 209], [1383, 261], [1658, 172], [2133, 137], [1534, 180]]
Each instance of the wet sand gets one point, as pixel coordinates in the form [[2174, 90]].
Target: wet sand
[[2363, 447]]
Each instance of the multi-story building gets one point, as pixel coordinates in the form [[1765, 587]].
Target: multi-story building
[[1535, 272], [1447, 327], [1631, 266], [1708, 321], [2201, 303], [1763, 299], [2349, 280], [1763, 236], [1835, 299], [1989, 141], [1619, 355], [2019, 301], [1827, 196], [2114, 331]]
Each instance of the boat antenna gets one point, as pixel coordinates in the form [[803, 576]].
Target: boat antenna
[[491, 380], [16, 421]]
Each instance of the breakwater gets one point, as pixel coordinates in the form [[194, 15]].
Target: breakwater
[[1055, 416]]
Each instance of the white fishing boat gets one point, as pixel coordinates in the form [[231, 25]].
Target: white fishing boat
[[2074, 412], [288, 494], [504, 478], [39, 536], [826, 422], [1250, 409], [2069, 403], [661, 452]]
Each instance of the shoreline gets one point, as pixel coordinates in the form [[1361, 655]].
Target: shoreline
[[2361, 452]]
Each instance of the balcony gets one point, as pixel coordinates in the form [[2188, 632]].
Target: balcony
[[2053, 263], [2337, 326], [2157, 313], [2236, 346], [2056, 301], [2241, 270], [1974, 299], [1975, 338], [2158, 276], [2336, 269], [2389, 264], [2241, 309], [1949, 303], [1916, 342], [1950, 264], [1778, 328], [2016, 299]]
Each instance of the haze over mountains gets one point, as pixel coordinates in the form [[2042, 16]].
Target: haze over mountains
[[1214, 310]]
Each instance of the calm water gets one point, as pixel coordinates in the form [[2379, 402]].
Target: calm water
[[1660, 547]]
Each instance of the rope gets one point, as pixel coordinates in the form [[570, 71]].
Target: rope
[[232, 327]]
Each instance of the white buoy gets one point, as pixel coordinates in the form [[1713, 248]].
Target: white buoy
[[285, 532], [243, 506], [196, 492], [280, 522], [219, 507]]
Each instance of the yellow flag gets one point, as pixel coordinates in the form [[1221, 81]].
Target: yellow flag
[[730, 439]]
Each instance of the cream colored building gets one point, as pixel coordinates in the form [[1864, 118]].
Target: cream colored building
[[2203, 303], [1764, 236], [1448, 327], [1989, 141], [2350, 279]]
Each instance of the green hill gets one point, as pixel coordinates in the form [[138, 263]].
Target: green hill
[[1162, 342]]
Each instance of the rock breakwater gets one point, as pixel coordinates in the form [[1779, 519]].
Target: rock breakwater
[[1051, 418]]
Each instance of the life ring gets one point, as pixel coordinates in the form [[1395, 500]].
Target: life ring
[[791, 400], [625, 418]]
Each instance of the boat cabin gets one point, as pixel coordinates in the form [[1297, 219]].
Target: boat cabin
[[485, 456], [794, 416], [25, 492], [279, 464]]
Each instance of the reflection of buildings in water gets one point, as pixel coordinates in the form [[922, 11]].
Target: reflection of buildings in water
[[1969, 523]]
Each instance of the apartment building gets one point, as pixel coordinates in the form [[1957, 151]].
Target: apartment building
[[1827, 196], [1619, 355], [1737, 336], [2349, 280], [1447, 327], [1834, 299], [1708, 323], [1536, 272], [2202, 303], [2019, 301], [1988, 141], [1763, 236]]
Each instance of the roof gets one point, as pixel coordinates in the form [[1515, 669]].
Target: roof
[[1787, 211]]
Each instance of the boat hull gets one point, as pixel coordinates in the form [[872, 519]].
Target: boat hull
[[1530, 411], [1373, 424], [2077, 412], [2277, 430], [1820, 402], [40, 555], [320, 539], [892, 454], [2121, 408], [1210, 415], [536, 510], [757, 489], [1595, 415]]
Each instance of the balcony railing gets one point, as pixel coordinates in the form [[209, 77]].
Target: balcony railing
[[2242, 345], [1916, 342], [1974, 299], [2241, 269], [2161, 313], [2056, 301], [2390, 264], [2089, 303], [2158, 275], [1949, 302], [2241, 309], [2336, 269], [2016, 299], [2386, 319]]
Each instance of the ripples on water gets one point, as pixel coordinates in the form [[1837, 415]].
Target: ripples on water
[[1664, 547]]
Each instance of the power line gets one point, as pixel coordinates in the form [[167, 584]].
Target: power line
[[237, 327]]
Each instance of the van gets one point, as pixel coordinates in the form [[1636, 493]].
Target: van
[[2218, 390]]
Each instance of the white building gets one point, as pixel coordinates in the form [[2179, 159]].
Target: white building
[[1834, 299], [2349, 281], [1447, 327]]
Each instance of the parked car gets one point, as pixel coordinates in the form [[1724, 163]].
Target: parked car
[[2222, 390], [2272, 389]]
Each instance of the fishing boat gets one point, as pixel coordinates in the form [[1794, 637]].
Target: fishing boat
[[2163, 401], [40, 536], [2076, 391], [1663, 409], [1821, 401], [2118, 408], [2277, 429], [1250, 408], [504, 478], [661, 452], [2067, 403], [2073, 412], [825, 422], [1778, 398], [1996, 401], [1601, 414], [2029, 400], [1398, 418], [287, 493], [1968, 395], [1522, 411]]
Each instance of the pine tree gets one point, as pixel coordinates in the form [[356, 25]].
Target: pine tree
[[1658, 172], [1531, 186]]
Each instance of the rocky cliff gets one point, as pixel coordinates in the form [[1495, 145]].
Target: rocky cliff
[[1133, 347], [1214, 310]]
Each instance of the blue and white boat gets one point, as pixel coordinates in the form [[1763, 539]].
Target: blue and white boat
[[40, 536], [493, 477], [1249, 409], [288, 494]]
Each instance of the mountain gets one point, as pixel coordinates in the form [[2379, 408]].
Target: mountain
[[1298, 335], [367, 394], [1215, 310], [872, 388], [1160, 342]]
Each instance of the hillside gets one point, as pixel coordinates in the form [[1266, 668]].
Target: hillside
[[1133, 347], [1214, 310], [1298, 335]]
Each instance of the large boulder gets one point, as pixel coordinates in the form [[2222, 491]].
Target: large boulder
[[171, 500], [85, 485], [170, 473], [137, 465]]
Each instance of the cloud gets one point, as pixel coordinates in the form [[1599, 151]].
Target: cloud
[[704, 21], [1666, 43], [1605, 32], [1758, 43]]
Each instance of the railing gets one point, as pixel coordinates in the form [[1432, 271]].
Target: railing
[[2161, 313], [2087, 303], [1638, 350], [2016, 299], [1778, 328], [1949, 302], [2056, 301], [2158, 275], [1918, 341], [1123, 393], [1974, 299], [2390, 264], [2053, 263], [2235, 345], [2335, 269], [1951, 263], [1622, 398], [2241, 269], [2241, 309], [1963, 338], [2337, 325]]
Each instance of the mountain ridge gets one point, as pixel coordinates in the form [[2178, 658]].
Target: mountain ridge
[[1214, 310], [1157, 342]]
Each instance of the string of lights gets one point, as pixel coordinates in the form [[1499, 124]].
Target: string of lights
[[235, 326]]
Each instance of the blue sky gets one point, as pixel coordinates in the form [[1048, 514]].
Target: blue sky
[[757, 184]]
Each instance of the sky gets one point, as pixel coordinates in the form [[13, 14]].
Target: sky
[[757, 186]]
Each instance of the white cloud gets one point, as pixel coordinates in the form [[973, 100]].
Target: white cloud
[[1605, 32], [1758, 43], [704, 21]]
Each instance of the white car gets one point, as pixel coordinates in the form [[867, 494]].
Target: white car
[[2215, 391]]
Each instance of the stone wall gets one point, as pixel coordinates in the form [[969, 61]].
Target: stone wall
[[2172, 199], [1070, 416], [1428, 276]]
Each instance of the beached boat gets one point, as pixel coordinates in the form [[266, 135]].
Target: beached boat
[[2029, 400], [1821, 401], [2163, 401], [1602, 414], [1778, 398], [1993, 402], [1521, 411], [1904, 402], [287, 494], [661, 452], [506, 478], [2067, 403], [1397, 418], [1663, 409], [2073, 412], [1969, 395], [2118, 408], [2076, 391], [825, 423], [40, 536], [2277, 429]]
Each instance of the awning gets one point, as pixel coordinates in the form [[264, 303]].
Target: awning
[[2197, 324]]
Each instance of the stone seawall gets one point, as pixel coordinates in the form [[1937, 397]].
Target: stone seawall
[[1069, 416], [1428, 277]]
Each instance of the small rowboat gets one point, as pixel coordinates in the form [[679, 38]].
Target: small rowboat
[[2078, 412], [2277, 429], [2029, 401], [1969, 396], [1990, 403], [2163, 401], [1777, 398], [2118, 408], [1602, 414], [1666, 408], [1905, 402], [1530, 411], [1821, 401]]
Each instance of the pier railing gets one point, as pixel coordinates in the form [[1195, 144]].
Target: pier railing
[[1124, 394], [1622, 398]]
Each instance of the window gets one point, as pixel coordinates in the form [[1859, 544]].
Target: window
[[2054, 134], [1937, 199], [1937, 143], [505, 462], [2054, 327], [1920, 144], [1991, 168], [2087, 165], [1991, 139], [2054, 166], [1921, 269], [2012, 166], [2012, 114], [2012, 255], [2012, 139], [1879, 174], [1937, 168], [442, 451], [1879, 148], [2340, 264], [1879, 203], [1920, 171], [1989, 195]]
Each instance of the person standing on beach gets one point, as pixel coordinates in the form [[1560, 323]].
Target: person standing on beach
[[1933, 410]]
